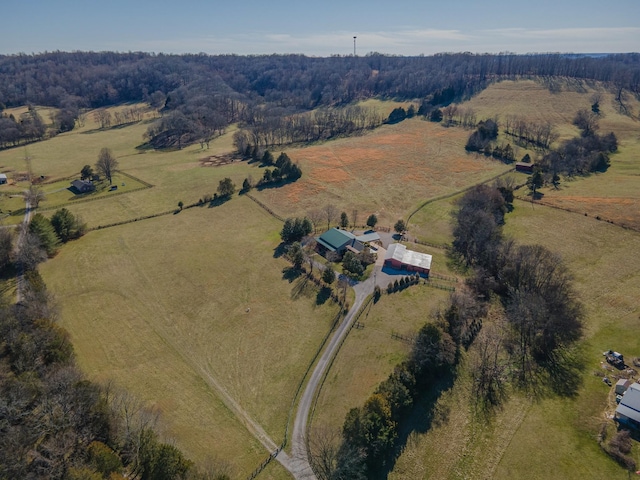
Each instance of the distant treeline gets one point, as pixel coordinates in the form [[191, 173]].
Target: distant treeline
[[201, 94]]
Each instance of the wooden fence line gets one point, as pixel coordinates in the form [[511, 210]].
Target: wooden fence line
[[93, 199], [565, 209], [449, 195], [267, 209]]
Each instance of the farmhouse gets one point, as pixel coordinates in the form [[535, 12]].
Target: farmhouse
[[524, 167], [3, 178], [83, 186], [337, 241], [399, 257], [628, 411]]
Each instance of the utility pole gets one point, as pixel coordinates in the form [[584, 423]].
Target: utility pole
[[354, 46]]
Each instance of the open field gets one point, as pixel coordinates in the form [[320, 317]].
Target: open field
[[160, 305], [388, 171], [509, 443], [461, 444], [614, 195]]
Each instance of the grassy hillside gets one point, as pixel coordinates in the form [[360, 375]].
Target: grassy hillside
[[167, 306], [548, 437], [388, 171], [159, 306]]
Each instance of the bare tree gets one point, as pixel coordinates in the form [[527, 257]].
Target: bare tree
[[354, 217], [106, 164], [6, 247], [30, 252], [331, 213], [488, 367], [324, 447], [34, 196], [316, 216], [309, 250]]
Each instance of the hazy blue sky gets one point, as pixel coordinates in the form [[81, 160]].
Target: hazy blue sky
[[403, 27]]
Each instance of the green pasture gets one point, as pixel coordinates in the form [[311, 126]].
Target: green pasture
[[546, 437], [11, 205], [162, 305]]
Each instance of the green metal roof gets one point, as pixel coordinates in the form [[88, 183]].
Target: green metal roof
[[334, 239]]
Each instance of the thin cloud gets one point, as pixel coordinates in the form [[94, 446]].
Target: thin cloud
[[404, 42]]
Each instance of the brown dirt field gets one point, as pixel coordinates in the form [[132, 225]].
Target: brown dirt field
[[620, 210], [387, 171]]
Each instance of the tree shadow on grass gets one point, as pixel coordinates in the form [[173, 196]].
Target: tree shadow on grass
[[219, 200], [290, 274], [280, 250], [563, 372], [302, 288], [323, 295], [425, 413]]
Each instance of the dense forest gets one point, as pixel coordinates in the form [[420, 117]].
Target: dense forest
[[200, 94]]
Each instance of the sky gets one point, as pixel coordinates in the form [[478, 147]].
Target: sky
[[321, 28]]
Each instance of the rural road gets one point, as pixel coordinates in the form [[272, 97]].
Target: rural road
[[23, 233], [298, 463]]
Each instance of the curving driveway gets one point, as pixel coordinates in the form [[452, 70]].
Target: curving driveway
[[298, 462]]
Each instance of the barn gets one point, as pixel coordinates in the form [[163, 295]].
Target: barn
[[400, 258], [524, 167], [628, 411], [337, 241]]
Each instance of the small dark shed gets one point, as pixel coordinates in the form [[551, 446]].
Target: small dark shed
[[524, 167]]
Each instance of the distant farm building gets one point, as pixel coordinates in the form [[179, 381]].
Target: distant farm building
[[524, 167], [338, 241], [83, 186], [628, 411], [3, 178], [400, 258]]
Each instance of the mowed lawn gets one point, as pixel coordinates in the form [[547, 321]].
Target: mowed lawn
[[388, 171], [161, 305], [548, 437]]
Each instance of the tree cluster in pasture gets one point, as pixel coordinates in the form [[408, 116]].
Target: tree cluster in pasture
[[266, 128], [285, 170], [106, 119], [28, 128], [528, 133], [398, 114], [50, 233], [581, 155], [541, 308], [482, 137], [295, 229]]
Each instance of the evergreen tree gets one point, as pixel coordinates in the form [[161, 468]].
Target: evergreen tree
[[41, 226]]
